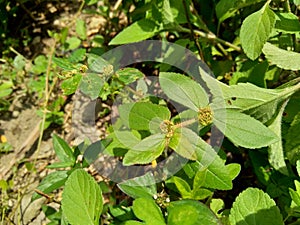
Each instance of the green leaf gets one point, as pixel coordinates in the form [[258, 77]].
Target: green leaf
[[233, 169], [63, 63], [77, 56], [152, 215], [255, 31], [287, 23], [275, 150], [81, 29], [167, 14], [253, 207], [91, 2], [183, 90], [72, 43], [199, 178], [139, 187], [120, 212], [129, 75], [97, 64], [70, 86], [296, 2], [292, 108], [216, 205], [146, 151], [227, 8], [82, 199], [295, 197], [91, 85], [187, 144], [260, 103], [132, 222], [5, 88], [142, 30], [190, 145], [178, 11], [282, 58], [189, 212], [298, 167], [51, 182], [63, 151], [59, 165], [292, 144], [182, 186], [243, 130], [19, 62], [199, 193], [93, 151], [122, 140], [253, 72], [144, 115], [40, 64]]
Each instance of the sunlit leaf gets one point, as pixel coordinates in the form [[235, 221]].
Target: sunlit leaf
[[245, 131], [146, 151], [252, 207], [82, 199], [282, 58], [138, 31], [255, 31], [183, 90], [189, 212]]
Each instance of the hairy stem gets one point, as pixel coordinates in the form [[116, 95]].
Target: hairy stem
[[211, 36], [185, 123]]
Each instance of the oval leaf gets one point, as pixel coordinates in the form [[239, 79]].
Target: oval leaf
[[147, 116], [51, 182], [282, 58], [255, 31], [253, 207], [91, 85], [146, 151], [138, 31], [189, 212], [69, 86], [63, 151], [182, 186], [82, 199], [183, 90], [139, 187], [245, 131], [129, 75], [260, 103], [152, 215], [143, 115]]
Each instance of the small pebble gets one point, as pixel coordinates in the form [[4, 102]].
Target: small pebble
[[15, 114]]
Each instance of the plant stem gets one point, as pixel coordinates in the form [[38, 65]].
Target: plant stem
[[48, 197], [47, 97], [74, 19], [116, 6], [213, 37], [191, 29], [185, 123]]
